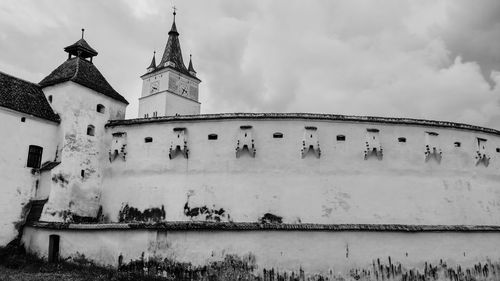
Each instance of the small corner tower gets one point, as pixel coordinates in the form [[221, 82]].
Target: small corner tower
[[169, 88]]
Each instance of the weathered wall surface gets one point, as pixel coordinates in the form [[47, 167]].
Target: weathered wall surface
[[18, 183], [315, 252], [76, 182], [338, 187]]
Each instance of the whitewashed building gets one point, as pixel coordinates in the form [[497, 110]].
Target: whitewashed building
[[316, 191]]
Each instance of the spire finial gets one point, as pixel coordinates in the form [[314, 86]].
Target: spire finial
[[175, 11], [83, 31]]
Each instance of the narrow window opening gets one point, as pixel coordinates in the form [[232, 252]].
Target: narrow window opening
[[82, 173], [37, 183], [402, 139], [498, 149], [53, 248], [340, 138], [457, 144], [100, 108], [148, 139], [34, 156], [278, 135], [23, 119], [90, 130], [212, 136], [50, 98]]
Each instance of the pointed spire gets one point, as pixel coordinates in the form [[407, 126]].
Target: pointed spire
[[172, 56], [152, 66], [190, 67], [173, 29]]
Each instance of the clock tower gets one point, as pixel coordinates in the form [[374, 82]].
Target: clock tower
[[169, 88]]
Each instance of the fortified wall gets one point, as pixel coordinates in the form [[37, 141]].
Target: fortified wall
[[347, 197], [302, 168], [315, 193]]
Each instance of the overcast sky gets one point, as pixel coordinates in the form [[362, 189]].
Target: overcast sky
[[432, 59]]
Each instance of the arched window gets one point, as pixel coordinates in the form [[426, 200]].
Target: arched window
[[100, 108], [340, 138], [401, 139], [278, 135], [148, 139], [212, 136], [90, 130]]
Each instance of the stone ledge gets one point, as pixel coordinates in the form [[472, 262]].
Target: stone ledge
[[251, 226], [306, 116]]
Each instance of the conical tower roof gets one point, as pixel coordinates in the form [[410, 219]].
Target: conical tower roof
[[153, 62], [190, 67], [173, 53]]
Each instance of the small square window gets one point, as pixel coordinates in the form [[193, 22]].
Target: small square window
[[148, 139], [90, 130], [278, 135], [457, 144], [401, 139], [34, 156], [212, 137], [340, 138]]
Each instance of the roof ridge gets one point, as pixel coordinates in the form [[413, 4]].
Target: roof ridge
[[21, 79], [309, 116], [77, 68]]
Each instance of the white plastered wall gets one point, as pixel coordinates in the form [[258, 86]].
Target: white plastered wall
[[313, 251], [71, 192], [339, 187], [18, 184]]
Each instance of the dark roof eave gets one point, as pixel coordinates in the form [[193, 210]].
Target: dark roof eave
[[307, 116], [173, 68], [55, 82], [55, 119], [256, 226]]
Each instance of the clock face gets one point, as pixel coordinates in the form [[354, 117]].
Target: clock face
[[182, 88], [154, 87]]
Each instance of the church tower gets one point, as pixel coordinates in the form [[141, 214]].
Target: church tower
[[169, 88]]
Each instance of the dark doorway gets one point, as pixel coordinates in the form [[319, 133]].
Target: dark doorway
[[53, 248]]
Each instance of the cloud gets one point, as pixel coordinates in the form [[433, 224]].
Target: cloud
[[434, 59]]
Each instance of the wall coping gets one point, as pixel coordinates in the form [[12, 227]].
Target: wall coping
[[253, 226], [303, 116]]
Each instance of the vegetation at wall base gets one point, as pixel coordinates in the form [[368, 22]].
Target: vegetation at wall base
[[17, 265]]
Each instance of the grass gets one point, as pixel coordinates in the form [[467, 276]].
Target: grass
[[17, 265]]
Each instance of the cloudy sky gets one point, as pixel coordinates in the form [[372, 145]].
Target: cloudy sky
[[433, 59]]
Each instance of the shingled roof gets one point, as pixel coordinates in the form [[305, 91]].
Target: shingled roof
[[85, 73], [173, 54], [25, 97]]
